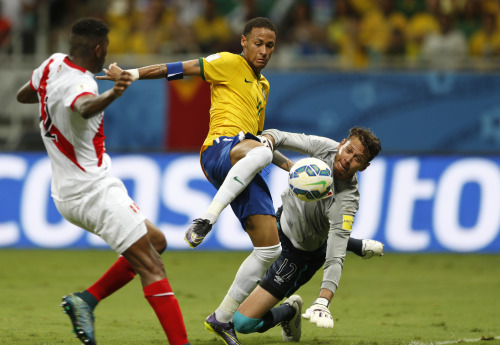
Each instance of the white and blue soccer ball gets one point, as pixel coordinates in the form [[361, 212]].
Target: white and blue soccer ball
[[310, 179]]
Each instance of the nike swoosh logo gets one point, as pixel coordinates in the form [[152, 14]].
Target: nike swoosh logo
[[236, 179], [246, 81], [323, 183]]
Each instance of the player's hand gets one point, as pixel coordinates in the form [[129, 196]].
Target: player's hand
[[266, 141], [123, 81], [321, 316], [372, 248], [112, 74]]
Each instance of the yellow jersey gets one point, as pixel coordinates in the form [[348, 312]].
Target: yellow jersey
[[238, 97]]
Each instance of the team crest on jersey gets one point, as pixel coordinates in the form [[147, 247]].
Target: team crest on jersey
[[80, 88]]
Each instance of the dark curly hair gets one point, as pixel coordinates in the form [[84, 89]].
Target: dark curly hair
[[90, 27], [368, 139], [259, 22], [86, 33]]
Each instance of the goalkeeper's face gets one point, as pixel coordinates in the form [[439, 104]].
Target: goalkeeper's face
[[351, 158], [258, 47]]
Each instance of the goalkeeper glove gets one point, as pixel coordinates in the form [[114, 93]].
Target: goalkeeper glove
[[266, 141], [319, 313], [372, 248]]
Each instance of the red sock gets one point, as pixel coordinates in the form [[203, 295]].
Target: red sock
[[115, 278], [160, 296]]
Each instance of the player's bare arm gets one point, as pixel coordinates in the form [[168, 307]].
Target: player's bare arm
[[282, 161], [26, 94], [90, 105], [325, 293], [192, 67], [177, 70]]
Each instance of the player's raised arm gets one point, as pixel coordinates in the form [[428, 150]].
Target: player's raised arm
[[171, 71], [90, 105]]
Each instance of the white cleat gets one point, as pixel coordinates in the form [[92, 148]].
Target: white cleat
[[372, 248], [292, 330]]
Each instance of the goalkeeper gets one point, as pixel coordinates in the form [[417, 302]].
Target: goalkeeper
[[311, 234]]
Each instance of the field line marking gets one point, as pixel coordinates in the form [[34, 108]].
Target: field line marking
[[451, 341]]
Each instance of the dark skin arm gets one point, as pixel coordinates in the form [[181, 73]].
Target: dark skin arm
[[27, 95], [90, 105]]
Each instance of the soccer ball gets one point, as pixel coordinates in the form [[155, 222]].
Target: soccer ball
[[310, 179]]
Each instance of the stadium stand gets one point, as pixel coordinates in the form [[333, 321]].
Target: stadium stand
[[341, 35]]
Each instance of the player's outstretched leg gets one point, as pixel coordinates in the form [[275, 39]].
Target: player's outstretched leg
[[292, 329], [197, 232], [224, 331], [82, 318], [237, 179]]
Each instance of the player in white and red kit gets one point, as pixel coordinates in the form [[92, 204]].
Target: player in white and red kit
[[71, 125]]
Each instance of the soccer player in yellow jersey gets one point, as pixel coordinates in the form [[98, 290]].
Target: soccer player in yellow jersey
[[233, 154]]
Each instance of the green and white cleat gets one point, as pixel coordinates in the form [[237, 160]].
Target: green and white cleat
[[82, 318]]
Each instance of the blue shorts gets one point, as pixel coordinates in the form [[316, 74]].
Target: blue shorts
[[216, 162], [292, 269]]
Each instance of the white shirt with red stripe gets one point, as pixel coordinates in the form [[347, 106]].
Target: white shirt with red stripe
[[75, 145]]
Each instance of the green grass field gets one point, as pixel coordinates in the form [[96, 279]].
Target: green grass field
[[397, 299]]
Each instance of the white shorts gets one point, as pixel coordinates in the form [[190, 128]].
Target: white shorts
[[108, 211]]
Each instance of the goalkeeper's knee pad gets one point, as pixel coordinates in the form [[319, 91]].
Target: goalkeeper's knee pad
[[245, 325]]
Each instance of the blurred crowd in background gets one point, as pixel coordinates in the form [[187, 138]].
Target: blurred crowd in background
[[357, 34]]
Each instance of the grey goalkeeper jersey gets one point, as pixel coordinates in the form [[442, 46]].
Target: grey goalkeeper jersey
[[309, 224]]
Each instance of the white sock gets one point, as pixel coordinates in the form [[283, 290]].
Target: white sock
[[227, 309], [237, 179], [248, 276]]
